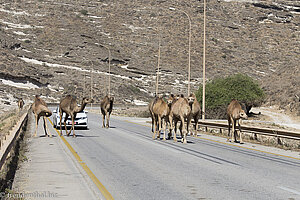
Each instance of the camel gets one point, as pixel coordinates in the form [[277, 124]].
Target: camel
[[106, 108], [40, 109], [181, 110], [69, 106], [20, 104], [195, 112], [161, 111], [235, 113]]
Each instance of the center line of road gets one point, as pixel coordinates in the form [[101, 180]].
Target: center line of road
[[92, 176], [289, 190]]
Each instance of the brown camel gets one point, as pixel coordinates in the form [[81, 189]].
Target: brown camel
[[161, 111], [106, 109], [40, 109], [195, 112], [181, 110], [20, 104], [69, 106], [235, 113]]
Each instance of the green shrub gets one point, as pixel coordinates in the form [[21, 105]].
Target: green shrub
[[84, 12], [219, 92]]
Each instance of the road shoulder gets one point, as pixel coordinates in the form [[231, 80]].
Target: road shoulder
[[51, 171]]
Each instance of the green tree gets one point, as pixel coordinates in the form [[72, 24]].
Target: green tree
[[220, 91]]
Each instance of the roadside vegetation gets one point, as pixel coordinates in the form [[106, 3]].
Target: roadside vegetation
[[220, 91]]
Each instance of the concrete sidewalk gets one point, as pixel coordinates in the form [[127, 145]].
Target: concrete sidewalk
[[51, 172]]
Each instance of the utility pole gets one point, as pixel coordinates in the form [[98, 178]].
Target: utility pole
[[190, 37], [203, 86], [158, 61], [92, 85]]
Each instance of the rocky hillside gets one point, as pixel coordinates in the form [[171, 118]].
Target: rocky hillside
[[54, 48]]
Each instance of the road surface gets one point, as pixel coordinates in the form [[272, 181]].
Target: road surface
[[133, 166]]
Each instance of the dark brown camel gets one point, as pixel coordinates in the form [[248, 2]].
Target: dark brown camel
[[106, 107], [20, 104]]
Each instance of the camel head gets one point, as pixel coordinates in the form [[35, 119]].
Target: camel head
[[243, 114], [111, 99], [179, 96], [87, 100], [191, 99], [171, 99], [47, 112]]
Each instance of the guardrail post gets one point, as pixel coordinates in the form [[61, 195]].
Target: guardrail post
[[221, 130]]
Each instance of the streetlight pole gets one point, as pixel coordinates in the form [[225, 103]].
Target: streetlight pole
[[109, 55], [92, 66], [190, 37], [109, 58], [158, 61], [204, 36]]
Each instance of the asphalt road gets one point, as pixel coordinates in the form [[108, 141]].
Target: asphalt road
[[133, 166]]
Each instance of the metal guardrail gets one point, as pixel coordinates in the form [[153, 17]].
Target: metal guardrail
[[11, 139], [255, 130]]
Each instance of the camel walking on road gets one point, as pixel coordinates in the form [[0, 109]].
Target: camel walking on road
[[40, 109], [180, 111], [69, 106], [235, 113], [161, 111], [106, 107]]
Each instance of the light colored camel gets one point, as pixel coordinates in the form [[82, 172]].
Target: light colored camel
[[181, 110], [106, 109], [235, 113], [40, 109], [161, 111], [20, 104], [69, 106], [195, 112]]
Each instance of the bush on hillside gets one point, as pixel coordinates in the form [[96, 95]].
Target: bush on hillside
[[220, 91]]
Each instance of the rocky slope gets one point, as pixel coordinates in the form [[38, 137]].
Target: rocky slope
[[54, 48]]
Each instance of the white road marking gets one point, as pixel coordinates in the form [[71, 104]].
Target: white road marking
[[289, 190]]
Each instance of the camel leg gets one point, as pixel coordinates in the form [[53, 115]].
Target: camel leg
[[184, 130], [159, 126], [180, 129], [73, 119], [188, 125], [240, 129], [234, 130], [103, 120], [175, 130], [229, 124], [155, 124], [65, 123], [170, 127], [107, 120], [196, 126], [48, 133], [60, 120], [36, 124], [164, 127], [152, 122]]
